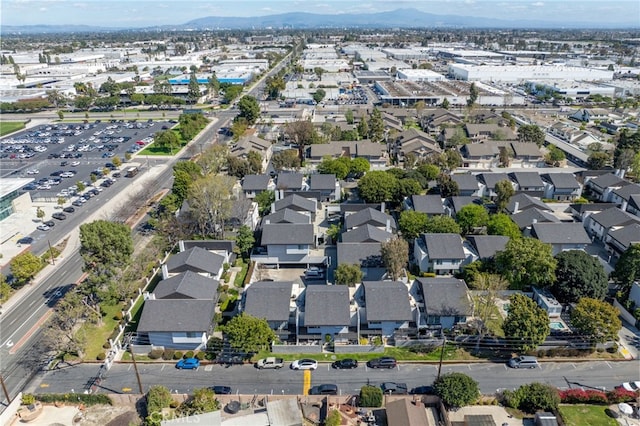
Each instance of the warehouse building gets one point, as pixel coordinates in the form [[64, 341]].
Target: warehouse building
[[521, 74]]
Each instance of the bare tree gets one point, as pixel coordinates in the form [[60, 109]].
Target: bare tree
[[395, 255], [211, 203]]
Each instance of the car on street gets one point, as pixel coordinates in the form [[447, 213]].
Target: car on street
[[384, 362], [188, 364], [59, 216], [422, 390], [49, 223], [75, 163], [304, 364], [630, 386], [345, 364], [25, 240], [43, 228], [69, 209], [326, 389], [270, 363], [221, 390], [393, 388]]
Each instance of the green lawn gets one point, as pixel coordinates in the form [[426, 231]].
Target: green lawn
[[7, 127], [239, 280], [97, 336], [153, 150], [592, 415]]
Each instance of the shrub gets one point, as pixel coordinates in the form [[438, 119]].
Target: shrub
[[613, 348], [158, 398], [28, 399], [533, 397], [86, 399], [201, 355], [581, 396], [188, 354], [370, 396], [457, 389], [156, 353], [177, 355], [223, 288], [106, 345], [333, 418], [619, 395], [118, 316], [174, 404], [101, 356], [168, 354]]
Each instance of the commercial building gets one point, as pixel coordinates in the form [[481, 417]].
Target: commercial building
[[571, 89], [523, 73], [419, 75], [12, 200]]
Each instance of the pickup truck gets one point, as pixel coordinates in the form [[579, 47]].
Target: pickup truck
[[270, 362]]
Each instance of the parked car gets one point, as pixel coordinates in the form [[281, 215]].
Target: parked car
[[69, 209], [49, 223], [344, 364], [59, 216], [25, 240], [523, 361], [384, 362], [270, 363], [43, 227], [304, 364], [221, 390], [630, 386], [188, 364], [326, 389], [314, 273], [422, 390], [392, 388]]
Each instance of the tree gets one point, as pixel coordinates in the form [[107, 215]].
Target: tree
[[210, 203], [319, 95], [348, 115], [264, 200], [248, 334], [555, 155], [287, 159], [445, 103], [504, 192], [473, 95], [412, 223], [333, 418], [337, 167], [378, 186], [596, 319], [166, 139], [442, 224], [244, 241], [429, 171], [184, 174], [213, 159], [318, 71], [527, 324], [598, 160], [370, 396], [579, 275], [448, 187], [485, 301], [5, 289], [117, 162], [274, 85], [40, 213], [158, 397], [363, 127], [203, 400], [627, 269], [472, 216], [301, 132], [501, 224], [527, 262], [376, 126], [25, 266], [348, 274], [534, 397], [456, 389], [359, 166], [395, 255], [249, 109], [531, 133], [61, 115], [105, 246]]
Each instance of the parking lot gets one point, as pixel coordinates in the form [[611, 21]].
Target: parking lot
[[57, 156]]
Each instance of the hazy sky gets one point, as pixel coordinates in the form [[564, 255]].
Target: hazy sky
[[142, 13]]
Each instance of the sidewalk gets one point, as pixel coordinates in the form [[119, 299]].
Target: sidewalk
[[629, 341]]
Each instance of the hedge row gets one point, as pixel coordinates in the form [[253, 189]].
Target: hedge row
[[75, 398], [581, 396]]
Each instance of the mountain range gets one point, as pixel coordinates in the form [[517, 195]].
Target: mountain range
[[399, 18]]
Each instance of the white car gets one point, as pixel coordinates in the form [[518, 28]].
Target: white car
[[304, 364], [631, 386], [75, 163], [43, 227]]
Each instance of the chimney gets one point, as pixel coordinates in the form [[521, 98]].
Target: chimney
[[267, 222], [516, 207], [388, 227]]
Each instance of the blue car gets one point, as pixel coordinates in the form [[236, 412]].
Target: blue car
[[188, 364]]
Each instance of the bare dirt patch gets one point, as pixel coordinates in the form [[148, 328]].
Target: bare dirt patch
[[109, 415]]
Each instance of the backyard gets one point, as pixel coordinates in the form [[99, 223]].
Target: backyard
[[593, 415]]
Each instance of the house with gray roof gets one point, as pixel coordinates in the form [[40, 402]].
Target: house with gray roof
[[252, 185], [528, 183], [326, 185], [580, 211], [196, 259], [446, 301], [430, 204], [601, 186], [480, 155], [617, 241], [286, 243], [286, 216], [488, 183], [468, 185], [525, 218], [526, 155], [375, 153], [599, 224], [222, 247], [186, 285], [366, 234], [452, 205], [184, 324], [561, 236], [371, 217], [384, 308], [252, 143], [520, 202], [561, 186], [486, 246], [441, 254], [415, 142], [633, 205], [365, 255], [327, 312], [289, 183], [271, 300], [621, 196], [297, 203]]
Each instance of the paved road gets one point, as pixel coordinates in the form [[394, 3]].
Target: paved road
[[248, 380]]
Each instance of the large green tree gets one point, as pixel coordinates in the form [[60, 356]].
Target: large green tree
[[376, 126], [531, 133], [457, 389], [579, 275], [203, 400], [527, 324], [25, 266], [472, 216], [166, 139], [442, 224], [501, 224], [534, 397], [244, 241], [527, 262], [249, 109], [348, 274], [248, 333], [264, 200], [596, 319], [395, 255], [412, 223], [105, 246], [504, 192], [378, 186], [627, 269]]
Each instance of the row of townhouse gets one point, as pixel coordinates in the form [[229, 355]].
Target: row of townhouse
[[322, 187]]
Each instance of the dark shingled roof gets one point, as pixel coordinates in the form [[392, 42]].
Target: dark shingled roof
[[562, 180], [269, 300], [429, 204], [287, 233], [187, 285], [560, 233], [195, 259], [528, 217], [296, 202], [488, 245], [527, 179], [628, 235], [387, 301], [366, 255], [289, 181], [255, 182], [445, 296], [459, 201], [608, 180], [369, 217], [366, 233], [613, 217], [525, 202], [210, 245], [176, 315], [490, 179], [319, 182], [326, 305], [286, 216], [465, 181], [444, 246]]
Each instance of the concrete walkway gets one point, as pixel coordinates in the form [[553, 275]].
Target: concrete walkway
[[629, 340]]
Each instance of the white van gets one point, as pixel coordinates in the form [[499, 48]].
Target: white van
[[524, 362]]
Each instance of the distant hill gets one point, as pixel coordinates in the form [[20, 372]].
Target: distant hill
[[399, 18]]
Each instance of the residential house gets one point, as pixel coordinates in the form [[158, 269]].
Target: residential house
[[547, 301], [286, 216], [404, 412], [633, 205], [621, 196], [590, 115], [434, 120], [526, 218], [224, 248], [391, 122], [486, 246], [488, 183], [521, 201], [371, 217], [297, 203], [186, 285], [618, 240], [480, 155], [529, 183], [273, 301], [366, 234], [286, 243], [375, 153], [561, 186], [415, 142], [600, 224], [482, 132], [563, 130], [446, 301], [561, 236], [289, 183], [431, 205], [184, 324], [600, 187], [468, 185], [452, 205], [364, 254], [580, 211], [439, 253], [252, 185], [325, 186], [384, 308], [327, 313], [526, 155], [252, 143], [196, 259]]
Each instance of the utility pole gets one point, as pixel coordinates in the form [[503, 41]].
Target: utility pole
[[53, 261], [135, 367], [444, 345], [4, 389]]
